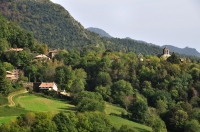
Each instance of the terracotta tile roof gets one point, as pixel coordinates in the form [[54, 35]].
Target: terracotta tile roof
[[47, 84], [16, 49], [8, 72], [9, 76], [41, 56], [54, 51]]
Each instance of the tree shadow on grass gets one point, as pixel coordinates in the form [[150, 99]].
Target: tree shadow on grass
[[68, 108], [141, 130]]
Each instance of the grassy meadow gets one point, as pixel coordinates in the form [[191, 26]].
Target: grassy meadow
[[30, 102], [6, 119], [40, 104], [112, 109], [118, 121]]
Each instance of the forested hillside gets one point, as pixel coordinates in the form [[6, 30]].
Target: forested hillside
[[51, 24], [13, 37]]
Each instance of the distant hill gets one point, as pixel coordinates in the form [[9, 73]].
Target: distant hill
[[186, 50], [129, 38], [99, 31], [141, 41]]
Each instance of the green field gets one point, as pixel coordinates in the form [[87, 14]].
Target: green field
[[40, 104], [11, 111], [29, 102], [8, 113], [118, 121], [26, 102], [6, 119], [111, 109]]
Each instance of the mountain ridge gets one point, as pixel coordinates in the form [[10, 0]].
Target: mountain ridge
[[187, 50], [99, 31]]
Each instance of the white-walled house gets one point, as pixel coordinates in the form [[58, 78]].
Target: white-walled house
[[48, 86]]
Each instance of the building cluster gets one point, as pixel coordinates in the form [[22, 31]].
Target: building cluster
[[50, 55], [164, 55], [13, 75]]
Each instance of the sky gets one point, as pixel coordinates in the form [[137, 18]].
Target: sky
[[161, 22]]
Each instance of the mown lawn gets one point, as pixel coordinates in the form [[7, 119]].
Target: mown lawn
[[8, 113], [40, 104], [11, 111], [29, 102], [118, 122], [26, 102], [6, 119]]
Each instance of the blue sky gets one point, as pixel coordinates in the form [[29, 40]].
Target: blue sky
[[166, 22]]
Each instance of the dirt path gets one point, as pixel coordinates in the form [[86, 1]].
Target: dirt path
[[11, 95]]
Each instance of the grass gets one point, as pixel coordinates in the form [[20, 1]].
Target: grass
[[118, 122], [11, 111], [111, 109], [6, 119], [40, 104], [28, 102]]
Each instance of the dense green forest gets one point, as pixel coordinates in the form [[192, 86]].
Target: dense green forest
[[49, 23], [61, 122], [160, 93]]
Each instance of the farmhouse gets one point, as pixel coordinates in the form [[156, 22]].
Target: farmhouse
[[45, 86]]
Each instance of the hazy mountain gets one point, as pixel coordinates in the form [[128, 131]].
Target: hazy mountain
[[186, 50], [99, 31]]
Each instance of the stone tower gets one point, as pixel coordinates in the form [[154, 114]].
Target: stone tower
[[165, 51]]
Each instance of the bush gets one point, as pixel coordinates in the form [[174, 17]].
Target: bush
[[3, 100], [90, 101]]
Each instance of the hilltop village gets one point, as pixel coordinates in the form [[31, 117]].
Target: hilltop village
[[13, 75]]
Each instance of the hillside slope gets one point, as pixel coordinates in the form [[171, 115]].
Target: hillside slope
[[50, 23]]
